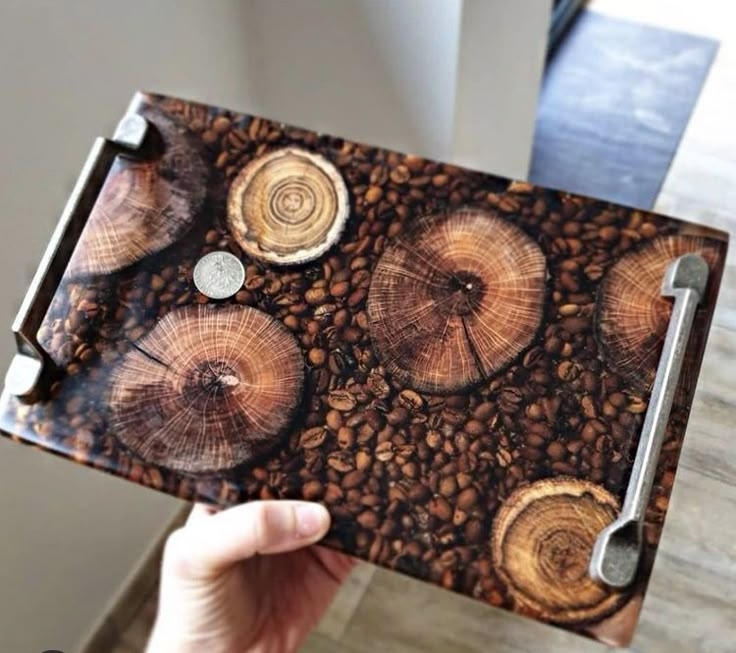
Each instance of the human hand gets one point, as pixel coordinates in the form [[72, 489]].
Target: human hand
[[246, 579]]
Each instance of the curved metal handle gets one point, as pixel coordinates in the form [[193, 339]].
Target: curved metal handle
[[617, 550], [28, 364]]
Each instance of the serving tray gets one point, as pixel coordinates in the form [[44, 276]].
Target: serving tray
[[487, 383]]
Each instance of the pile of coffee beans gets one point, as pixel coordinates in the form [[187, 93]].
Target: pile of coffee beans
[[412, 480]]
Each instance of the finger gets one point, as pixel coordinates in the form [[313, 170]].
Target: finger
[[209, 544], [201, 512], [337, 564]]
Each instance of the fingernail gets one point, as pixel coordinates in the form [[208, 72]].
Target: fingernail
[[311, 520]]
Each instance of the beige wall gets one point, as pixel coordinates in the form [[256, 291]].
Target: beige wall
[[68, 535]]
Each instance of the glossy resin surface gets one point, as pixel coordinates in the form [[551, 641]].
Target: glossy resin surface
[[458, 366]]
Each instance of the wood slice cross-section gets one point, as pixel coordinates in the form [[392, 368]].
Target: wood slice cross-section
[[543, 537], [288, 207], [210, 388], [455, 299], [144, 206], [633, 316]]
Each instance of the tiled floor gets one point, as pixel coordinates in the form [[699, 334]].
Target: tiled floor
[[690, 604]]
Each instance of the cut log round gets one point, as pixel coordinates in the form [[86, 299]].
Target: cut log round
[[455, 299], [210, 388], [143, 207], [632, 314], [543, 537], [288, 207]]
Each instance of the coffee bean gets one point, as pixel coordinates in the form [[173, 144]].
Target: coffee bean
[[568, 371], [385, 451], [563, 468], [341, 461], [530, 453], [609, 410], [354, 479], [475, 427], [340, 289], [341, 400], [312, 438], [334, 419], [400, 174], [313, 490], [448, 486], [535, 441], [352, 335], [357, 296], [440, 508], [410, 400], [636, 405], [398, 415], [589, 408], [345, 437], [368, 519], [378, 385], [363, 460], [608, 233], [433, 439], [315, 296], [556, 450], [467, 498], [484, 411], [317, 357]]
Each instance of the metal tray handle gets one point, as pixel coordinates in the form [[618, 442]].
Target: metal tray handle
[[30, 360], [617, 550]]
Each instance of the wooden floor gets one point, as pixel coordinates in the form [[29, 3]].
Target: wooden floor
[[691, 603]]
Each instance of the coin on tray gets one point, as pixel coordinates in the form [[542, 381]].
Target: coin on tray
[[219, 275]]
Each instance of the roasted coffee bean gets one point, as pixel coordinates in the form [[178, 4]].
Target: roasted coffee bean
[[636, 405], [467, 498], [378, 385], [315, 296], [345, 437], [535, 441], [317, 357], [556, 451], [410, 400], [475, 427], [353, 479], [440, 508], [313, 490], [341, 461], [334, 419], [363, 460], [340, 288], [312, 438], [448, 486], [385, 451], [341, 400]]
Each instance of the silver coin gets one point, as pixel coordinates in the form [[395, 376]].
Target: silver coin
[[219, 275]]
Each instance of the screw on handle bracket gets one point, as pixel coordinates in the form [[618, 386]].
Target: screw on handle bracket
[[30, 360], [617, 550]]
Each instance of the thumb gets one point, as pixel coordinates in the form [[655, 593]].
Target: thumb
[[210, 543]]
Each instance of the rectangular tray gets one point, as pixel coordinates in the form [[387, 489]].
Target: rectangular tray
[[457, 365]]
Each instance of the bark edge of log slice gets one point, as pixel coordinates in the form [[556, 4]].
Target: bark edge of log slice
[[455, 299], [542, 540], [288, 206], [208, 389], [143, 206], [632, 316]]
